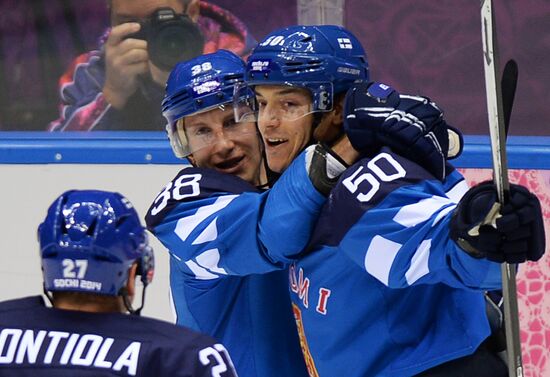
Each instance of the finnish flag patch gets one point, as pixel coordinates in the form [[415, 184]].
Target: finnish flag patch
[[345, 43]]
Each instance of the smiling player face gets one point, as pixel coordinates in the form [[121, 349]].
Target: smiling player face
[[285, 122], [219, 143]]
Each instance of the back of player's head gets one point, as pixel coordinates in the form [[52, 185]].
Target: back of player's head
[[88, 242], [199, 85], [326, 59]]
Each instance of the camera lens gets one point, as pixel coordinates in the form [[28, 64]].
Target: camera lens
[[175, 41]]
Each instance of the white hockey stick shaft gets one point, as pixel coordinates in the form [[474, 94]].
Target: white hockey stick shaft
[[500, 173]]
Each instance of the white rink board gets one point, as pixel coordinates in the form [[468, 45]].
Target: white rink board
[[26, 191]]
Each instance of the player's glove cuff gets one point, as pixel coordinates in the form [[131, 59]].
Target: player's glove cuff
[[324, 167]]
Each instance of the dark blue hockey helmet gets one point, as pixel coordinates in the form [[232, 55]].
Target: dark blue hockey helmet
[[199, 85], [88, 242], [324, 59]]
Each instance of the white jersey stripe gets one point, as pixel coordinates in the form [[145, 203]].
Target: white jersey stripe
[[186, 225], [380, 256], [419, 262], [413, 214]]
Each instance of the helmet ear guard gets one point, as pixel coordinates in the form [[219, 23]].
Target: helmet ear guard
[[89, 240]]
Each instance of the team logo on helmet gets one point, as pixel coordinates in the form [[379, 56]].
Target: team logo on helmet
[[260, 65], [206, 87]]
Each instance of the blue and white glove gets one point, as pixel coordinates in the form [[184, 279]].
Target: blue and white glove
[[376, 115]]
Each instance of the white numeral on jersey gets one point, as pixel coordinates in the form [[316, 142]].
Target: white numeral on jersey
[[379, 175], [177, 191], [69, 266], [216, 352]]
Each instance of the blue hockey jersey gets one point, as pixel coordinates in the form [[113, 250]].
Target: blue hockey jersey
[[222, 277], [381, 290], [39, 341]]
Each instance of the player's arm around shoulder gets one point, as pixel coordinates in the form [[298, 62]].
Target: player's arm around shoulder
[[292, 207], [208, 221]]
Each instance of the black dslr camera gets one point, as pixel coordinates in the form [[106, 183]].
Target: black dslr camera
[[170, 38]]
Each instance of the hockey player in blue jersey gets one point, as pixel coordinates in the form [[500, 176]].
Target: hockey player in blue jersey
[[236, 296], [209, 220], [92, 247], [391, 283]]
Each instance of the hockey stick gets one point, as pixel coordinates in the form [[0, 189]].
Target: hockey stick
[[509, 84], [500, 175]]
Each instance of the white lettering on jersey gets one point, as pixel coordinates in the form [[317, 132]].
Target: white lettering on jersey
[[19, 346], [8, 344], [30, 346], [55, 336], [129, 359]]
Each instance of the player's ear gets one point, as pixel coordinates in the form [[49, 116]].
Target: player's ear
[[338, 111], [131, 283], [193, 10], [192, 160]]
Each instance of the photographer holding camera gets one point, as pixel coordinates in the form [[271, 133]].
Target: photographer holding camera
[[121, 85]]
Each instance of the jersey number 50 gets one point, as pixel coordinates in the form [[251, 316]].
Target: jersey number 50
[[377, 165]]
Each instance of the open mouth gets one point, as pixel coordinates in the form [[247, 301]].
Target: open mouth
[[230, 163], [274, 142]]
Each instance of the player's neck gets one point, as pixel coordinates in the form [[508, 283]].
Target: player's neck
[[108, 306]]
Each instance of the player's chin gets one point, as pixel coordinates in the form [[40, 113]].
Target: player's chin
[[276, 162]]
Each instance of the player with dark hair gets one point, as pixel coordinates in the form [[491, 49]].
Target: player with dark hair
[[219, 228], [92, 248], [392, 281], [209, 220]]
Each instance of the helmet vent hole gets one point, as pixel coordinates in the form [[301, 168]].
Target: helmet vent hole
[[121, 220], [91, 228]]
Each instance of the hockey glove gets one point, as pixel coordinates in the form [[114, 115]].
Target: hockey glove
[[324, 167], [511, 233], [375, 115]]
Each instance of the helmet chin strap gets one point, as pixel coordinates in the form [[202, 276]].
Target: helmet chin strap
[[128, 303], [47, 293]]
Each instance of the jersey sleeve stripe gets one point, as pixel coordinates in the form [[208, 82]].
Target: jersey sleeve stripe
[[417, 213], [200, 272], [186, 225], [380, 256], [210, 233], [457, 191], [419, 262]]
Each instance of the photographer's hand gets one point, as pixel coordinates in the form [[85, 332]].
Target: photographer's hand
[[158, 75], [125, 60]]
